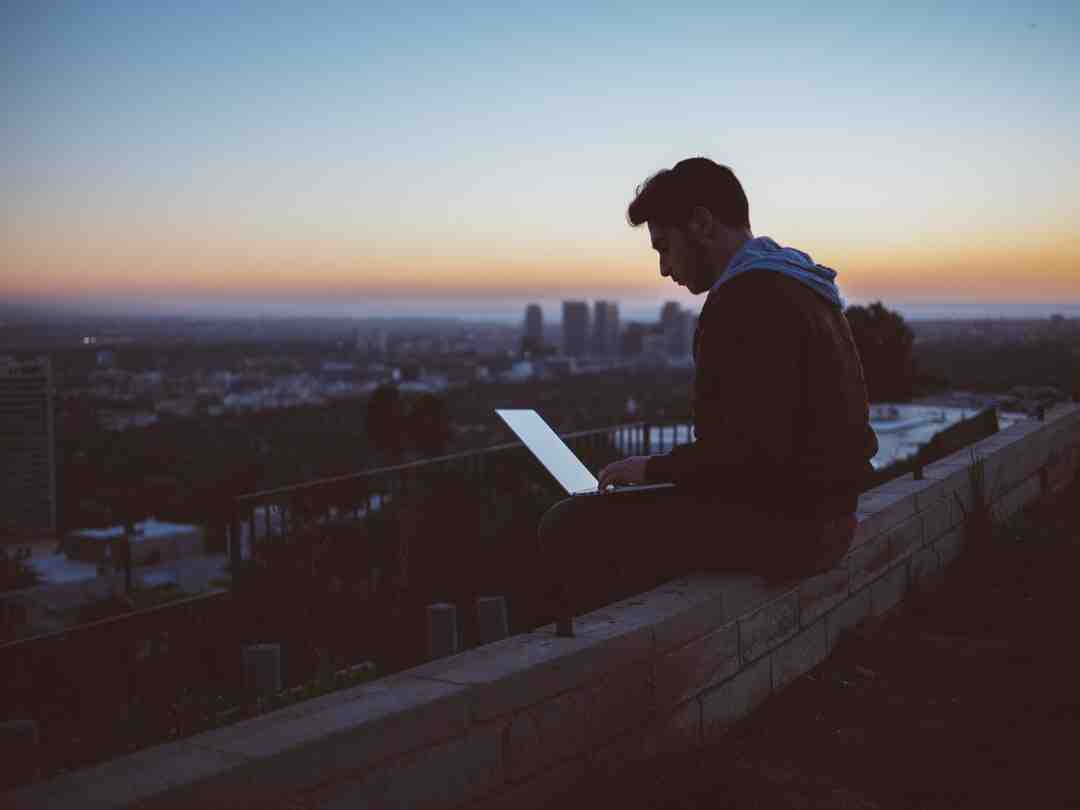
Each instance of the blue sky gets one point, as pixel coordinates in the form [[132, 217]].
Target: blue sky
[[339, 155]]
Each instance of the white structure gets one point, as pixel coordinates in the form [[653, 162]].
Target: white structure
[[901, 430], [170, 541]]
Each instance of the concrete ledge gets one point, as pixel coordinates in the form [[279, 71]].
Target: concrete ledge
[[518, 722]]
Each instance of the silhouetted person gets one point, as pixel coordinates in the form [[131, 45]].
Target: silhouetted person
[[782, 429]]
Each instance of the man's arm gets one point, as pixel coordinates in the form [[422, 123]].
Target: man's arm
[[749, 386]]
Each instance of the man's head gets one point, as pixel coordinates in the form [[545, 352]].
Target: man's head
[[698, 217]]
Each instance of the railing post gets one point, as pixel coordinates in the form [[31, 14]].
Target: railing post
[[251, 529], [491, 616], [262, 668], [442, 630], [646, 439], [236, 554]]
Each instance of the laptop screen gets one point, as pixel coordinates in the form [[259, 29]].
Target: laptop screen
[[553, 453]]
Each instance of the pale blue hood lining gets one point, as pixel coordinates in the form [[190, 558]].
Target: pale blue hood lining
[[763, 253]]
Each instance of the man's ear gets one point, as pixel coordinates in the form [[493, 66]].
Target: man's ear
[[701, 222]]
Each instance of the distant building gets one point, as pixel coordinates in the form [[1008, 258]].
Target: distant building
[[669, 313], [654, 350], [520, 371], [378, 344], [575, 325], [560, 366], [630, 342], [27, 446], [179, 407], [605, 336], [532, 338], [118, 420], [153, 539], [675, 326], [534, 322]]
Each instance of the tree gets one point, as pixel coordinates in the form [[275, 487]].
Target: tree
[[884, 341], [385, 422], [429, 425]]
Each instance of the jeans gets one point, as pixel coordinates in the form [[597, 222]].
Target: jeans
[[589, 542]]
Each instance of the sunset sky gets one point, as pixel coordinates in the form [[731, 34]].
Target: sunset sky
[[383, 158]]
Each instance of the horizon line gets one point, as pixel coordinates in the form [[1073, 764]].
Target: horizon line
[[1034, 310]]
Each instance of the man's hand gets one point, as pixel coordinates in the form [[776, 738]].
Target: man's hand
[[628, 471]]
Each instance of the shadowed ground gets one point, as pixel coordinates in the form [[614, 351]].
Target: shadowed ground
[[965, 697]]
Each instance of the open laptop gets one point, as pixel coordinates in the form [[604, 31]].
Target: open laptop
[[557, 458]]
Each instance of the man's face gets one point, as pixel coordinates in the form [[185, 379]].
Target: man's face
[[682, 260]]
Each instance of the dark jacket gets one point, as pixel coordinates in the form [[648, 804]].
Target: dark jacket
[[781, 419]]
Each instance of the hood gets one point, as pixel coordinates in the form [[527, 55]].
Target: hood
[[763, 253]]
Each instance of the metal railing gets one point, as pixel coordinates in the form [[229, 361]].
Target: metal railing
[[274, 512]]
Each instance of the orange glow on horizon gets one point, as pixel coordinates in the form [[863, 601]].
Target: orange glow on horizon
[[1041, 267]]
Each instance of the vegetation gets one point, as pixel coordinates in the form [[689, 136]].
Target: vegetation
[[452, 534], [386, 423], [189, 470], [428, 425], [885, 342], [14, 572], [967, 364]]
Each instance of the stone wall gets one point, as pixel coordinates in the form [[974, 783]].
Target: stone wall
[[514, 723]]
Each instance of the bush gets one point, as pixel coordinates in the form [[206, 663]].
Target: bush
[[14, 572]]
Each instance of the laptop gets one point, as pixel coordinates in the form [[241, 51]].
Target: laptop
[[557, 458]]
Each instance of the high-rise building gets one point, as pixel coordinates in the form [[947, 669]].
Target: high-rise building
[[605, 336], [575, 327], [532, 339], [669, 314], [612, 329], [534, 322], [631, 341], [27, 455], [675, 325]]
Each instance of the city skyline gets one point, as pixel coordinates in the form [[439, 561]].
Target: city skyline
[[365, 162], [506, 312]]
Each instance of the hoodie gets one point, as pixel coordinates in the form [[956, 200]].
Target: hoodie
[[781, 420]]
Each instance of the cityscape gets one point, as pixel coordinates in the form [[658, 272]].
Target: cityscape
[[429, 358], [130, 375], [283, 290]]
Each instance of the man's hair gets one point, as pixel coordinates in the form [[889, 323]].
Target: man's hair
[[670, 196]]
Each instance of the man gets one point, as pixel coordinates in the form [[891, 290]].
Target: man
[[782, 429]]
